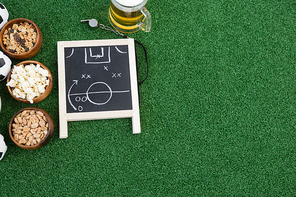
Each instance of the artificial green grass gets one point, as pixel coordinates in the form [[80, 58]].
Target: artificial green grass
[[217, 110]]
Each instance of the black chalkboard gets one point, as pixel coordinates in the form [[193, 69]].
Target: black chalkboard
[[97, 80]]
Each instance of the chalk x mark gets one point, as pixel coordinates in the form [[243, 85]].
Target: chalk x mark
[[116, 75], [85, 76]]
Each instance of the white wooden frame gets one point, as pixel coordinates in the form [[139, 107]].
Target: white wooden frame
[[64, 117]]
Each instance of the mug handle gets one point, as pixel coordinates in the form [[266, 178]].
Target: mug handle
[[146, 25]]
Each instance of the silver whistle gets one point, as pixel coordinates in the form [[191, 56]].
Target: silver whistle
[[91, 22]]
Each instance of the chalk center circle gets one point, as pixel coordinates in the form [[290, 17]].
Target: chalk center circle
[[93, 86]]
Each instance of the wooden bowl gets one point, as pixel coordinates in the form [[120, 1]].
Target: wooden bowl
[[25, 133], [42, 96], [26, 55]]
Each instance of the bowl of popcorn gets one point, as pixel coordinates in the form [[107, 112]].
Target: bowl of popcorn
[[21, 38], [29, 82], [31, 128]]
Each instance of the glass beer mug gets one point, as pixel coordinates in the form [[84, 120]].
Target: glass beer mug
[[129, 16]]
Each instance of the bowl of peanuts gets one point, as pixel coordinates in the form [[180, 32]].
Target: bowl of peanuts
[[29, 82], [20, 38], [31, 128]]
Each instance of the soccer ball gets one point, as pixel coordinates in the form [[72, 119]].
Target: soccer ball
[[3, 15], [5, 66], [3, 147]]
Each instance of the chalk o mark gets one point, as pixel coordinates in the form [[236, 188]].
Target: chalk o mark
[[84, 99], [80, 108], [77, 98]]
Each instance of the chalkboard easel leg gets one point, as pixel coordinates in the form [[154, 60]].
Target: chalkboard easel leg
[[63, 128], [136, 123]]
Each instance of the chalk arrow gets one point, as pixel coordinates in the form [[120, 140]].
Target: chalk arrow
[[75, 82]]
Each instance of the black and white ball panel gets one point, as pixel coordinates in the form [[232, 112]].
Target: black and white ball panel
[[2, 62]]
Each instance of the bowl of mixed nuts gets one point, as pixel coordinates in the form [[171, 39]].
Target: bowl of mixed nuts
[[29, 82], [31, 128], [20, 38]]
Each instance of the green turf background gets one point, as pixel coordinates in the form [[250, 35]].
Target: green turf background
[[217, 110]]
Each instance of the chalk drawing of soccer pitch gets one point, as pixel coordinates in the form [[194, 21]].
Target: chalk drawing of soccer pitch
[[98, 93]]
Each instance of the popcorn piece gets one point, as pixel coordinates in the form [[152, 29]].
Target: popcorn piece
[[44, 73], [23, 95], [17, 69], [11, 83], [41, 89], [17, 92], [28, 67], [24, 85], [30, 97], [31, 73], [28, 91]]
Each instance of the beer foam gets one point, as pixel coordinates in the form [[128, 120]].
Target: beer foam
[[130, 3]]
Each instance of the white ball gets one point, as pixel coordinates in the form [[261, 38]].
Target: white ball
[[4, 15], [3, 147], [5, 66]]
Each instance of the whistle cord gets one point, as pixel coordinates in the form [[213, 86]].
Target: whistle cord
[[146, 57]]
